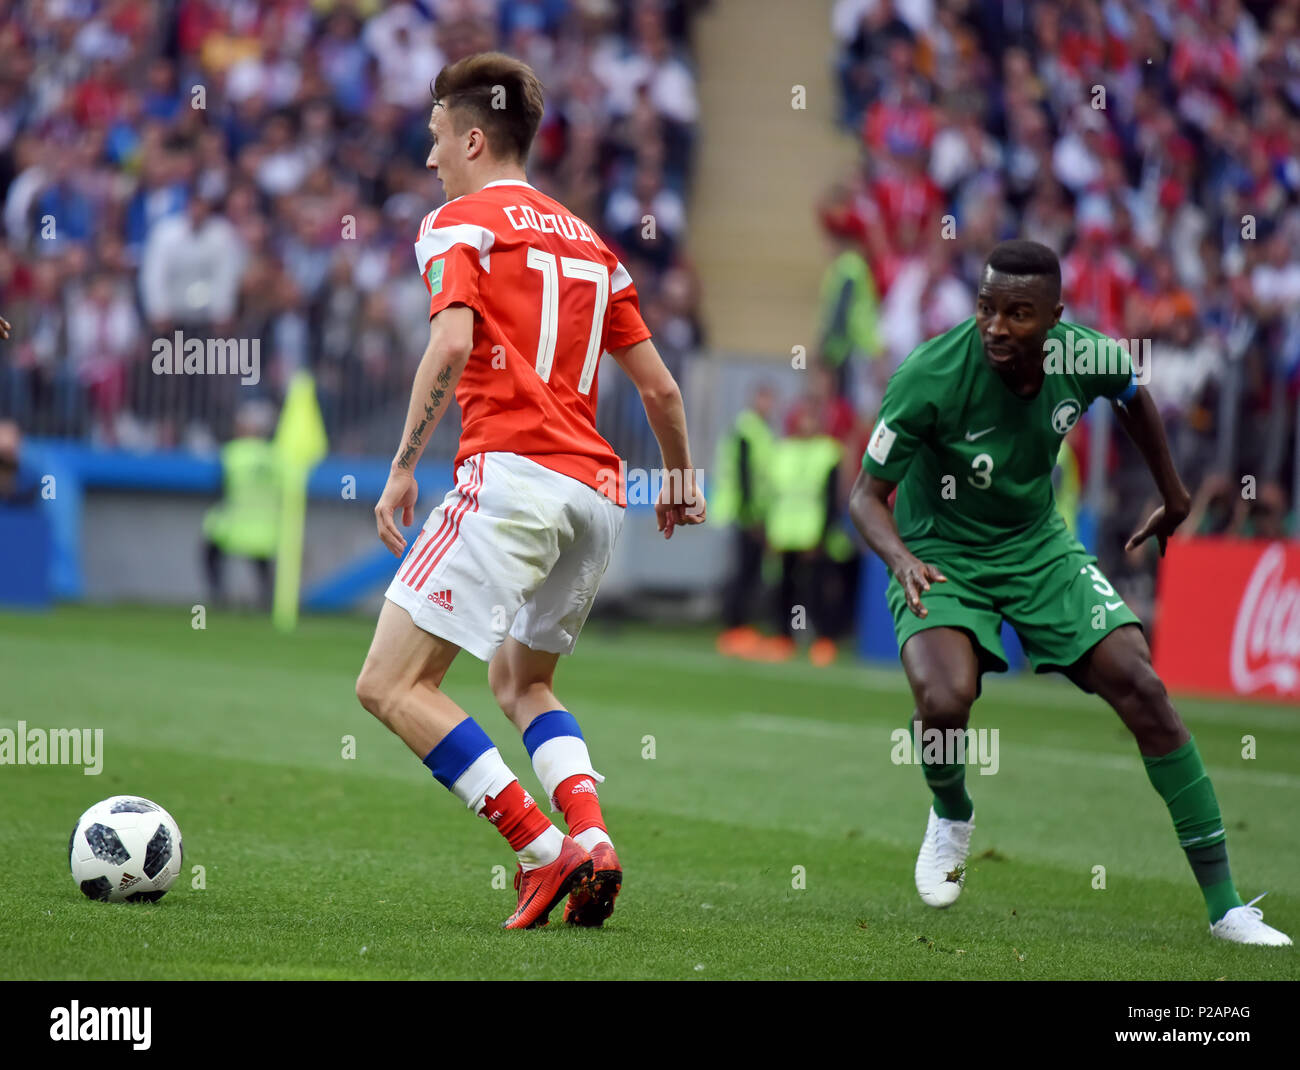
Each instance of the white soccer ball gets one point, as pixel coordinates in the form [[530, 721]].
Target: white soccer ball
[[125, 849]]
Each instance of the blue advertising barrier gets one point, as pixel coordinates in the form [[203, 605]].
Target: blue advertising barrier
[[76, 467], [25, 551]]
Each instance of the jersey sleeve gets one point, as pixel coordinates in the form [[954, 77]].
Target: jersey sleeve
[[452, 252], [626, 327], [907, 418], [1112, 373]]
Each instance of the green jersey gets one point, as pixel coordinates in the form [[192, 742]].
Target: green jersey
[[973, 462]]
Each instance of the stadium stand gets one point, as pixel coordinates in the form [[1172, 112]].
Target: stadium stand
[[253, 171], [1172, 197]]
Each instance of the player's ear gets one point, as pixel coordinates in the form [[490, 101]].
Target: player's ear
[[475, 144]]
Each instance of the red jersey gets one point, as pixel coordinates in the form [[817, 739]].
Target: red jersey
[[549, 298]]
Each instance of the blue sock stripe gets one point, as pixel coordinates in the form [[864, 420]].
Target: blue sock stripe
[[549, 725], [457, 752]]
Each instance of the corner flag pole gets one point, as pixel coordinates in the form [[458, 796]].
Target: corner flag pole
[[300, 443]]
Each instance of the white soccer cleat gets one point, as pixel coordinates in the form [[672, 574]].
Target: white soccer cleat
[[1245, 925], [941, 865]]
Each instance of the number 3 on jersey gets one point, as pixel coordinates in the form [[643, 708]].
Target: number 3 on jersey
[[573, 268], [1099, 583], [982, 479]]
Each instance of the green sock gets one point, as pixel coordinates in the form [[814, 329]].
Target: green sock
[[1182, 782], [948, 783]]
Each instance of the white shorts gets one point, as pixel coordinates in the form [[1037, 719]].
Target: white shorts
[[514, 548]]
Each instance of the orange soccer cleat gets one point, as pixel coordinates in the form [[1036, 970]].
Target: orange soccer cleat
[[593, 902], [542, 888]]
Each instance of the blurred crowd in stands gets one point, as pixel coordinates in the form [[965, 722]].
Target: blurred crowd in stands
[[1155, 146], [256, 171]]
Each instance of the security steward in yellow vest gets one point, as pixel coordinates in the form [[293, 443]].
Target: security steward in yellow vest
[[802, 519], [246, 523], [740, 496]]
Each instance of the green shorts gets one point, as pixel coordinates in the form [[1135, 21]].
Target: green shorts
[[1053, 595]]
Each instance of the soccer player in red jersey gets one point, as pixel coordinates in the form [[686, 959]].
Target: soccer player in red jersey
[[524, 298]]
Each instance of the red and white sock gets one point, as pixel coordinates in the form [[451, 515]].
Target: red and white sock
[[577, 799], [529, 832], [491, 790], [559, 754]]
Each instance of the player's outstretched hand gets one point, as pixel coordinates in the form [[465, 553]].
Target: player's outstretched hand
[[4, 328], [680, 502], [915, 577], [400, 492], [1161, 524]]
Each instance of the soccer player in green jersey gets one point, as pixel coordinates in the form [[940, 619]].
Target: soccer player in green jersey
[[968, 432]]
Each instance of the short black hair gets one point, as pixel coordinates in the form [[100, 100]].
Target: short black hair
[[1021, 257]]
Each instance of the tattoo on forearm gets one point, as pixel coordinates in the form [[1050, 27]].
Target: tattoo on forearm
[[431, 407]]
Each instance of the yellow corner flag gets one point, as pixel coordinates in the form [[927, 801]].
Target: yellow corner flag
[[300, 443]]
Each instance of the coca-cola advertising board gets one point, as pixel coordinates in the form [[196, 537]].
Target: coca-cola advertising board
[[1228, 618]]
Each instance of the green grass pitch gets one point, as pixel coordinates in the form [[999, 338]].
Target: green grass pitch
[[769, 835]]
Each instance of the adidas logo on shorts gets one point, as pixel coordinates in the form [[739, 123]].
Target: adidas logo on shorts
[[441, 598]]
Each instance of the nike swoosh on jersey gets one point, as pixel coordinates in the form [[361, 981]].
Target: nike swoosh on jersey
[[1116, 605], [980, 434]]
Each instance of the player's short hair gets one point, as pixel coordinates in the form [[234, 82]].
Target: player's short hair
[[1021, 257], [497, 93]]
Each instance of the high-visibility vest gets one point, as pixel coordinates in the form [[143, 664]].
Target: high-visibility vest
[[726, 502], [798, 473], [247, 521], [857, 333]]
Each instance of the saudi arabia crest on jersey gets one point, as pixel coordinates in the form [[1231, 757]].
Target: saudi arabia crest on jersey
[[1065, 415]]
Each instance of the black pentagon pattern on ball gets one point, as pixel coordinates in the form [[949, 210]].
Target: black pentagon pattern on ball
[[106, 845], [133, 806], [146, 897], [158, 853], [100, 888]]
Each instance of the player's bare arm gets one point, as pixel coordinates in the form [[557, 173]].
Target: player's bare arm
[[1141, 420], [869, 508], [680, 500], [451, 340], [4, 328]]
